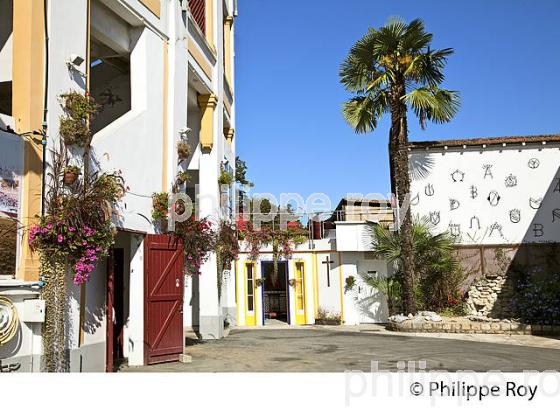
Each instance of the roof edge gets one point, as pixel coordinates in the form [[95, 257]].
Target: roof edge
[[469, 142]]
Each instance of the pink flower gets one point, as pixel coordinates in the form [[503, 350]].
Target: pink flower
[[59, 238]]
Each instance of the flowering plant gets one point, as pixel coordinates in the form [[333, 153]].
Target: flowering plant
[[455, 298], [198, 241], [82, 244], [160, 205], [227, 245]]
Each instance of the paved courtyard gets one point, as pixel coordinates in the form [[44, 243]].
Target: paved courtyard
[[325, 350]]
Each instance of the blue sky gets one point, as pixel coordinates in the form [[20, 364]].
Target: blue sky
[[289, 126]]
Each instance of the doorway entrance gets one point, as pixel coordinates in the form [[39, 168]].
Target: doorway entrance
[[115, 309], [275, 293], [163, 303]]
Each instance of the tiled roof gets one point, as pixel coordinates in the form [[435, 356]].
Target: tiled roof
[[529, 139]]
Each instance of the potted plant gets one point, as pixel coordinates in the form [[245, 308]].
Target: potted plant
[[183, 177], [324, 317], [71, 174], [292, 282], [226, 177], [183, 150], [160, 204], [259, 281], [350, 283]]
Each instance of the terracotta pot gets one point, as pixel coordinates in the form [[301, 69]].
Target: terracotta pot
[[70, 178]]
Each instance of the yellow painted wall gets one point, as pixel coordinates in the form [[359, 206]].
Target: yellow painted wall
[[153, 5], [27, 109]]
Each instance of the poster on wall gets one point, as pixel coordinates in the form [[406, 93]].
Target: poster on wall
[[11, 170]]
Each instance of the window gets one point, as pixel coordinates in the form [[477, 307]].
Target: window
[[250, 287], [299, 285], [6, 40], [198, 11], [11, 167], [110, 82]]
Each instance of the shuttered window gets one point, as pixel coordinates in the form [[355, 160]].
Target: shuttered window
[[198, 11]]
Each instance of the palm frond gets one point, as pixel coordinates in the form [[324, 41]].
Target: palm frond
[[364, 112], [415, 38], [433, 104], [427, 67]]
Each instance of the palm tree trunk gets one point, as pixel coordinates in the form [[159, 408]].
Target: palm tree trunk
[[399, 154]]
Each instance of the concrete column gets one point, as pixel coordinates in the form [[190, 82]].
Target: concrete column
[[210, 317]]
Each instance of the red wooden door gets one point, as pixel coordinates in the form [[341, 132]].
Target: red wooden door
[[163, 289]]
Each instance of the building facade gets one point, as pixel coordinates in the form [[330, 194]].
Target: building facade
[[321, 282], [499, 199], [163, 72]]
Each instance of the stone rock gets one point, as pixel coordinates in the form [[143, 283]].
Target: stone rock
[[398, 318]]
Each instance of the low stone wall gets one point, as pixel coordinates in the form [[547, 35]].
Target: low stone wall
[[491, 296], [468, 326]]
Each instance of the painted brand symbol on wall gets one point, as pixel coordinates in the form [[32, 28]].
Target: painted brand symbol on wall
[[453, 204], [496, 227], [429, 190], [488, 171], [538, 230], [415, 200], [557, 187], [555, 214], [511, 181], [474, 192], [455, 230], [435, 217], [475, 220], [494, 198], [535, 203], [515, 215], [533, 163], [458, 176]]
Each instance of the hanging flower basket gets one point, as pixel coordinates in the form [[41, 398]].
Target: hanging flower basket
[[183, 177], [183, 150], [71, 174]]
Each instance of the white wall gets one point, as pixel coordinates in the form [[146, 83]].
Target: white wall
[[134, 327], [476, 220], [133, 143], [26, 346], [353, 236], [363, 304]]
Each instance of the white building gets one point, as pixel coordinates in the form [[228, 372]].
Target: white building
[[158, 67], [489, 191], [499, 198], [314, 281]]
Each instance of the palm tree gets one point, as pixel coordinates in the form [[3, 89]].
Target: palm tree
[[389, 71], [438, 271]]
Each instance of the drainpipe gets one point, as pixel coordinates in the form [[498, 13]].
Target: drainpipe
[[45, 111]]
